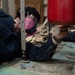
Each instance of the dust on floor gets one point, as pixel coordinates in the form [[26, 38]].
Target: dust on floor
[[59, 65]]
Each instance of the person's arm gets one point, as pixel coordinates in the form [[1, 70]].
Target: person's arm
[[4, 31], [46, 51], [70, 37], [6, 24], [6, 20]]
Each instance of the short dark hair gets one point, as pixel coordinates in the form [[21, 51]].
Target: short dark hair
[[29, 10]]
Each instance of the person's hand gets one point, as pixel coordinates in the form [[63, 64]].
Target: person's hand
[[63, 32], [17, 25], [60, 31]]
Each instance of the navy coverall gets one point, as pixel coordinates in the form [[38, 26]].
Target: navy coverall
[[10, 43]]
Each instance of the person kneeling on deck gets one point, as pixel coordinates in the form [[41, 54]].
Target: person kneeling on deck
[[10, 37]]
